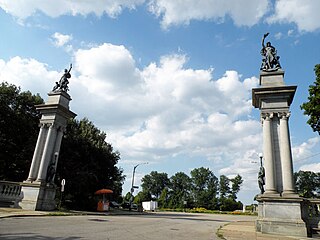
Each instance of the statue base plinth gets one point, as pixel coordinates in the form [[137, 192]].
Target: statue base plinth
[[281, 215], [38, 196]]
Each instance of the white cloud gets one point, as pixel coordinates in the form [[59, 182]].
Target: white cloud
[[162, 110], [243, 13], [313, 167], [107, 70], [25, 8], [60, 40], [303, 151], [29, 74], [303, 13], [156, 113]]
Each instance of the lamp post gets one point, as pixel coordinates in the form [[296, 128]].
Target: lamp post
[[132, 184]]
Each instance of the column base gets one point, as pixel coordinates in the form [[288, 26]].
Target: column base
[[281, 215], [38, 196]]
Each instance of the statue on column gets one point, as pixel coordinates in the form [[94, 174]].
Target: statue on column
[[62, 85], [270, 60], [261, 177], [51, 171]]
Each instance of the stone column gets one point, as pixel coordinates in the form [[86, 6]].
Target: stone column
[[268, 154], [47, 153], [285, 153], [37, 154]]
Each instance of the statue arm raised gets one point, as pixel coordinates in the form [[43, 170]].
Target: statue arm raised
[[264, 36], [70, 68]]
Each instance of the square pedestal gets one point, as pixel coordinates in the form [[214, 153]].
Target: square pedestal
[[38, 196], [281, 215]]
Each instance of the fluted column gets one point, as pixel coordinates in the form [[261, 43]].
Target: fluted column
[[286, 156], [47, 153], [37, 154], [269, 164]]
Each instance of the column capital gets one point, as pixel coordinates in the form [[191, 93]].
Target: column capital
[[284, 115], [267, 116]]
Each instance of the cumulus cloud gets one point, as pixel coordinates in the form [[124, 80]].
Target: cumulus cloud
[[313, 167], [107, 70], [303, 151], [243, 13], [160, 111], [305, 14], [60, 39], [29, 74], [25, 8]]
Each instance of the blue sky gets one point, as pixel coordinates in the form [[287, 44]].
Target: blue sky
[[168, 81]]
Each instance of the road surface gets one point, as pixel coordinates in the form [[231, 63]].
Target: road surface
[[155, 226]]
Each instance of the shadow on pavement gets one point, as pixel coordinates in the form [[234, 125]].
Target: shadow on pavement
[[33, 236]]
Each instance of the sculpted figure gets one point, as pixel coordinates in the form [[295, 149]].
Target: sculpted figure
[[261, 177], [270, 60], [63, 83]]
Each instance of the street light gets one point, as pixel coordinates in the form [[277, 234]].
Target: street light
[[132, 184]]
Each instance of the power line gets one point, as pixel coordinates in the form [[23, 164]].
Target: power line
[[308, 156]]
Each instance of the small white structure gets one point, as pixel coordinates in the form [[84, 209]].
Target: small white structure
[[150, 206]]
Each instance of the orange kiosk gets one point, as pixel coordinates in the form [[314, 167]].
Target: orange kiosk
[[103, 204]]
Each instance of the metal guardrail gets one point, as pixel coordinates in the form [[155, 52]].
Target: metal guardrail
[[10, 194]]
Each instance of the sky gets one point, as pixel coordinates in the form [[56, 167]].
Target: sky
[[170, 82]]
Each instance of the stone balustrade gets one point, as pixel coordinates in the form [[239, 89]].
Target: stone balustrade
[[311, 214], [10, 194]]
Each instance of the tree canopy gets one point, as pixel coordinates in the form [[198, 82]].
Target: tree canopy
[[312, 107], [202, 189], [86, 160], [88, 163], [19, 129], [307, 183]]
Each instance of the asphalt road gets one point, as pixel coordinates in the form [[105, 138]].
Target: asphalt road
[[158, 226]]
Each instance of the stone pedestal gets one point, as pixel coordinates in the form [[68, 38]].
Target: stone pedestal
[[39, 189], [281, 215], [280, 209]]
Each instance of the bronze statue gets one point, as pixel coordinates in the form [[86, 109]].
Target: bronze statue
[[62, 85], [261, 177], [270, 61]]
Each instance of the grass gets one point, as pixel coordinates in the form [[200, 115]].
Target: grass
[[203, 210]]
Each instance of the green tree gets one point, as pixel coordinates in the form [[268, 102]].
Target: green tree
[[307, 183], [142, 196], [204, 188], [88, 163], [18, 131], [224, 187], [235, 186], [228, 196], [180, 190], [154, 183], [163, 199], [312, 107]]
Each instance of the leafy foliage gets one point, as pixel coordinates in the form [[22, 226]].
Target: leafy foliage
[[86, 160], [154, 183], [88, 163], [312, 107], [201, 190], [205, 188], [18, 131], [235, 187], [307, 183]]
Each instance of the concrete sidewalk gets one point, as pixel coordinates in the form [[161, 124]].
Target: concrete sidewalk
[[246, 230]]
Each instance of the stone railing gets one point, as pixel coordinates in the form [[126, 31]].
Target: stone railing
[[10, 194], [311, 214]]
